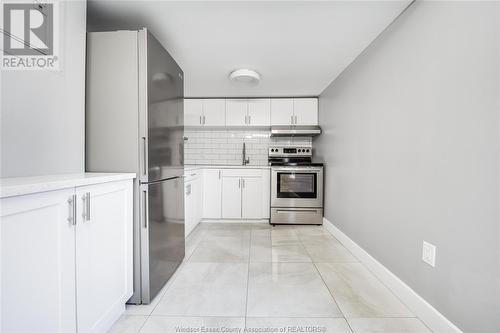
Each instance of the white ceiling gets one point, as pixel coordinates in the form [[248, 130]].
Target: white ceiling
[[298, 47]]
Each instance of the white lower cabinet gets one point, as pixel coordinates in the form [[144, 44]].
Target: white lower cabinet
[[242, 196], [102, 258], [66, 258], [212, 193], [231, 198], [193, 201], [37, 257], [251, 202], [232, 193]]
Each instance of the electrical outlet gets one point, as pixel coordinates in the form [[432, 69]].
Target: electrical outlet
[[429, 254]]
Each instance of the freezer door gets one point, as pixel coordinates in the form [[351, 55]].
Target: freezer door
[[163, 241], [165, 114]]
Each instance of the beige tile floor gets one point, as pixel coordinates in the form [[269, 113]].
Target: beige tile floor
[[270, 279]]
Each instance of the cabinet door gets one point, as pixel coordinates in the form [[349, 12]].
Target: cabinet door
[[189, 204], [103, 254], [214, 112], [266, 193], [259, 112], [305, 111], [236, 112], [231, 198], [37, 256], [281, 111], [212, 193], [251, 203], [193, 112], [198, 196]]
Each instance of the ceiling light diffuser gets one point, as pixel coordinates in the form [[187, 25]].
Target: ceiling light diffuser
[[245, 76]]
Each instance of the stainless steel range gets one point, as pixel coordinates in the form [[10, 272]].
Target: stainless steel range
[[296, 186]]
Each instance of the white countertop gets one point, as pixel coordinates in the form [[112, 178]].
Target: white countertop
[[188, 167], [10, 187]]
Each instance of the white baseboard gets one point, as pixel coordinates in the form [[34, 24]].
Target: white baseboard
[[235, 221], [419, 306]]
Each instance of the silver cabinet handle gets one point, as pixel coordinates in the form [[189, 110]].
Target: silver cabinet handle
[[243, 182], [84, 207], [200, 120], [72, 209], [204, 120], [246, 119], [145, 161], [88, 206], [219, 173], [239, 183], [295, 120], [249, 120], [291, 120]]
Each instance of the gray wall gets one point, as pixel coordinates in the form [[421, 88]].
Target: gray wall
[[411, 145], [42, 122]]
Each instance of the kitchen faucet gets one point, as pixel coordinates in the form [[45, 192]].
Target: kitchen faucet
[[246, 160]]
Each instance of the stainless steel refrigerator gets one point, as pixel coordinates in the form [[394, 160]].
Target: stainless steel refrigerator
[[135, 123]]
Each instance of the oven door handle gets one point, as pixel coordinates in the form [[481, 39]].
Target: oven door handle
[[295, 210], [302, 170]]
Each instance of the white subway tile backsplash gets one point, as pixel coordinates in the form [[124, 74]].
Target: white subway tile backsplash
[[216, 147]]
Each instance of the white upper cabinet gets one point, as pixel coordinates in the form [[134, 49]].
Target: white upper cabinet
[[193, 112], [305, 111], [248, 112], [254, 112], [294, 111], [281, 111], [205, 112], [236, 112], [214, 112], [259, 112]]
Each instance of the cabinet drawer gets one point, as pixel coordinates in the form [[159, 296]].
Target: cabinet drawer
[[242, 172], [191, 175]]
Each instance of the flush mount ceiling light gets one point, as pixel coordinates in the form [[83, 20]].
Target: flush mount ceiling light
[[245, 76]]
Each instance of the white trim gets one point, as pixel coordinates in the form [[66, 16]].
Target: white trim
[[234, 221], [419, 306]]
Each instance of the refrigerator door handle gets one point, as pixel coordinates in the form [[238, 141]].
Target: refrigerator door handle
[[144, 157], [144, 208]]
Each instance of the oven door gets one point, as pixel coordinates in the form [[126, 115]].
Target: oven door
[[297, 187]]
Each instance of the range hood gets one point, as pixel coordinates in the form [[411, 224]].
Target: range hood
[[295, 130]]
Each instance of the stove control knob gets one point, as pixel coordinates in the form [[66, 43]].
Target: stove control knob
[[307, 150]]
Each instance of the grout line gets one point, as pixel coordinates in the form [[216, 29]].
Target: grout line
[[324, 283], [143, 324], [248, 274], [169, 284]]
